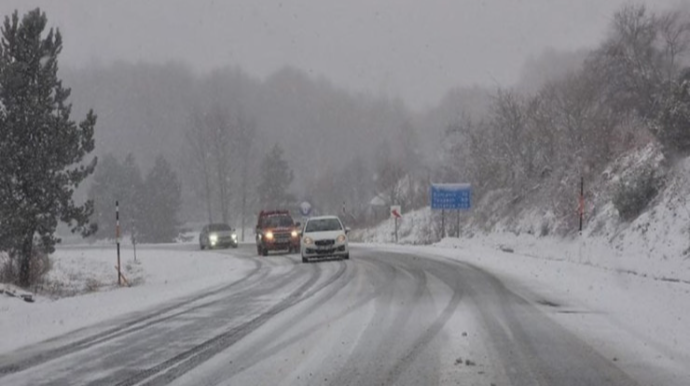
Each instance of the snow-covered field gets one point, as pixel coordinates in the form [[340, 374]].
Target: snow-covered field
[[160, 274], [649, 316]]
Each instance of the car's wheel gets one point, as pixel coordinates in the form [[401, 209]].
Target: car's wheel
[[201, 246], [346, 257], [234, 246], [264, 252], [305, 260]]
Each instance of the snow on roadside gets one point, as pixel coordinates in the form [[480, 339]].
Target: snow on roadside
[[416, 227], [640, 322], [161, 274]]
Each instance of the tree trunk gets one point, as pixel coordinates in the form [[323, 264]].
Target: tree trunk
[[222, 194], [25, 260], [208, 193]]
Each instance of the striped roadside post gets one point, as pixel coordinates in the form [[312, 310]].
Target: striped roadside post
[[117, 239]]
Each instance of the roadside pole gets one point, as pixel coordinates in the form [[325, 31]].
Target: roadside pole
[[396, 230], [134, 245], [117, 240], [581, 208], [443, 223], [396, 213], [457, 218]]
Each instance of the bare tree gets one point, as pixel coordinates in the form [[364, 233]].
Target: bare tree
[[219, 127], [674, 34], [199, 143], [244, 133]]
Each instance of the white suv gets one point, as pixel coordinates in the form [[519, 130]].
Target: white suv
[[324, 236]]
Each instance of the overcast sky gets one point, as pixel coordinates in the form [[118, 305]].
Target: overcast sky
[[416, 49]]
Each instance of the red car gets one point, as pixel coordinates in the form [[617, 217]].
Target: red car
[[276, 230]]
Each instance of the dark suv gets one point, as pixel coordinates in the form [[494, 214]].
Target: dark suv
[[275, 230]]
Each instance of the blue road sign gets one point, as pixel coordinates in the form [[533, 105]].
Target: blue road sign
[[451, 196]]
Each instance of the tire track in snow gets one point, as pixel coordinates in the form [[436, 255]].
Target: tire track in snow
[[125, 328], [171, 369]]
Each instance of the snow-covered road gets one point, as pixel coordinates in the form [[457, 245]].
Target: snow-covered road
[[384, 317]]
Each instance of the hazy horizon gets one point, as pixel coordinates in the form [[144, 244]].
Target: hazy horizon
[[413, 50]]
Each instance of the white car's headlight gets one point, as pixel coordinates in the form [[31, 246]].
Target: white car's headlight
[[213, 238], [234, 236], [308, 241], [340, 239]]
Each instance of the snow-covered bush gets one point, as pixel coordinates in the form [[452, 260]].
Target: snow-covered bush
[[673, 122], [633, 196]]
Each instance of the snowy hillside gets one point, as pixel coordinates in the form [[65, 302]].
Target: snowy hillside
[[656, 243]]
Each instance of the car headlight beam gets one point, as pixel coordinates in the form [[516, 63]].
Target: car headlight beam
[[308, 241], [213, 238], [269, 235], [340, 239], [294, 234]]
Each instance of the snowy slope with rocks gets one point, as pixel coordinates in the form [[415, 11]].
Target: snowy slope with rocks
[[655, 244]]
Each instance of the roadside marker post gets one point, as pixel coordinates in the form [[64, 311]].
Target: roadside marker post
[[581, 203], [396, 213], [117, 241]]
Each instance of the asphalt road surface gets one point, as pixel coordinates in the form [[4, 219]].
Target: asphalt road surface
[[380, 318]]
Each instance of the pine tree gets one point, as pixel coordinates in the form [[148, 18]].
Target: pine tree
[[276, 177], [162, 200], [42, 150]]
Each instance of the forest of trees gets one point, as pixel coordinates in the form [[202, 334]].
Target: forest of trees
[[569, 115], [217, 129], [221, 146], [630, 90], [149, 207]]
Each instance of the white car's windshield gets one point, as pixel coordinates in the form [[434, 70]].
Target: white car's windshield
[[323, 225]]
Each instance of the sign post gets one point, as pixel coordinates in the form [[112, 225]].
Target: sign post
[[451, 196], [396, 213], [443, 223]]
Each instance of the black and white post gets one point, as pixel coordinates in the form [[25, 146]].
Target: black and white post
[[117, 240]]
